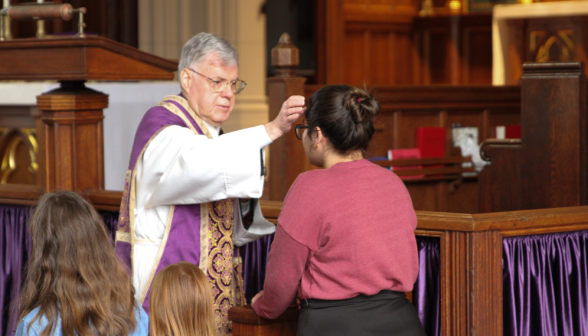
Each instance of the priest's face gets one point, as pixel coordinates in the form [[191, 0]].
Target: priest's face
[[214, 107]]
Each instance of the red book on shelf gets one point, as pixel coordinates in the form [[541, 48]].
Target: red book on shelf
[[404, 154], [508, 132], [431, 141], [512, 131]]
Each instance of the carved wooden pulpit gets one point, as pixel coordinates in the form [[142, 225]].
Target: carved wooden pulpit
[[69, 128]]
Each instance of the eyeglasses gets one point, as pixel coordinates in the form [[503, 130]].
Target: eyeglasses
[[299, 130], [220, 84]]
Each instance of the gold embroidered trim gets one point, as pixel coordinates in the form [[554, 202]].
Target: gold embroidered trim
[[132, 204], [123, 223], [124, 237], [204, 229], [175, 110], [182, 101], [204, 207], [170, 216]]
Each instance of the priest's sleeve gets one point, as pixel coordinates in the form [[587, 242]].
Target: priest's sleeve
[[286, 264]]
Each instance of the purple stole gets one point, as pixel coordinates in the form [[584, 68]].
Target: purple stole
[[198, 233]]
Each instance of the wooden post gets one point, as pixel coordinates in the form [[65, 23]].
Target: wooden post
[[554, 153], [72, 151], [283, 170]]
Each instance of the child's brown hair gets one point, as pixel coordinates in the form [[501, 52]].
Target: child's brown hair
[[181, 302]]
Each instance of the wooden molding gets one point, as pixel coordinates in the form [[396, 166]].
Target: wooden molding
[[79, 59]]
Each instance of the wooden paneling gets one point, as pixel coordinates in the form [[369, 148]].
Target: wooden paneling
[[387, 43], [365, 42], [477, 55], [453, 49]]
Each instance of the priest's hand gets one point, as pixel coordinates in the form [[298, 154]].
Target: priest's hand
[[292, 109], [257, 296]]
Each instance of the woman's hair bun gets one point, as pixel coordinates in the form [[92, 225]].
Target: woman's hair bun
[[361, 105]]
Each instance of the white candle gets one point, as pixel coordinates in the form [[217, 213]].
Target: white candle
[[6, 3]]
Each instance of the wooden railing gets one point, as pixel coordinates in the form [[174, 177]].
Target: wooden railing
[[471, 291]]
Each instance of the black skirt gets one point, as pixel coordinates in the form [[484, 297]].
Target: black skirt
[[386, 313]]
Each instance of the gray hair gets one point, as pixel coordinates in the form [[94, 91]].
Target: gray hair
[[202, 45]]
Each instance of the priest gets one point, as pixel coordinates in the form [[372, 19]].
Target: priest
[[190, 191]]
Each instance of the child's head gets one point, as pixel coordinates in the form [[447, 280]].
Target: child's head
[[181, 302], [73, 270]]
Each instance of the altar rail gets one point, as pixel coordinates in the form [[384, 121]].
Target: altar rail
[[471, 269], [471, 291]]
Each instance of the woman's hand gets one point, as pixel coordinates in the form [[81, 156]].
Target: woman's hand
[[257, 296]]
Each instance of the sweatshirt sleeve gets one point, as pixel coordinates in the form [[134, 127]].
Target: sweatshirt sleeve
[[286, 265]]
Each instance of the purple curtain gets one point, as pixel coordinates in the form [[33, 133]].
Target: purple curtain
[[545, 283], [426, 295], [254, 257], [13, 255], [14, 237]]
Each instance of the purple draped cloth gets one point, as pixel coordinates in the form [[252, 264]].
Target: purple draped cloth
[[14, 252], [545, 277], [13, 219], [545, 284], [426, 293]]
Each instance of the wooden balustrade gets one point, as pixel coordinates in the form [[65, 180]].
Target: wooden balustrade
[[471, 291]]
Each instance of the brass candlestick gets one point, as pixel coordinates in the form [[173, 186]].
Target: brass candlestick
[[40, 11]]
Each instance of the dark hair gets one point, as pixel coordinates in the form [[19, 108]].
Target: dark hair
[[73, 271], [344, 115]]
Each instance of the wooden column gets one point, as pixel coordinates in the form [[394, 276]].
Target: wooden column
[[283, 169], [72, 153], [554, 135]]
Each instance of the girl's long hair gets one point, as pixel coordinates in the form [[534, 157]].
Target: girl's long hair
[[74, 273], [181, 302]]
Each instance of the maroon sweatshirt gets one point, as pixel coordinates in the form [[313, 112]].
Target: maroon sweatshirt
[[343, 231]]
